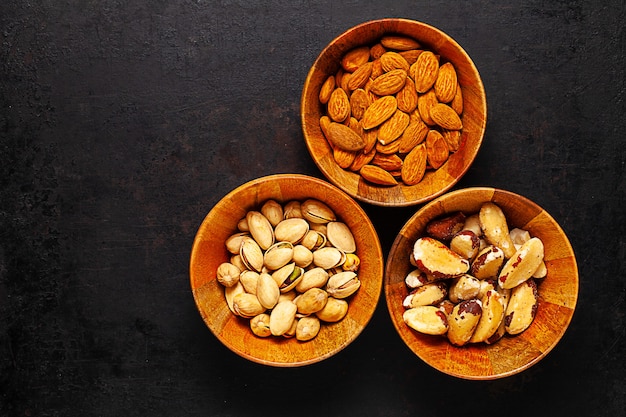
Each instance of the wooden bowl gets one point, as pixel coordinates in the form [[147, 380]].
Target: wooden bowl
[[558, 291], [209, 251], [474, 114]]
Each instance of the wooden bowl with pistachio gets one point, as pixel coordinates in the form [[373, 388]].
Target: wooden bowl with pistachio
[[286, 270], [393, 112], [481, 283]]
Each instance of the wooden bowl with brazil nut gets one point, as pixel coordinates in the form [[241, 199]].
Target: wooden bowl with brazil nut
[[209, 251], [558, 291], [474, 115]]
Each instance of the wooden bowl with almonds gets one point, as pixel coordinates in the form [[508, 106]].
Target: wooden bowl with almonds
[[393, 112], [554, 292], [232, 323]]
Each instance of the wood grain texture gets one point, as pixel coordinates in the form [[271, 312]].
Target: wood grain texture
[[558, 292], [474, 115], [209, 252]]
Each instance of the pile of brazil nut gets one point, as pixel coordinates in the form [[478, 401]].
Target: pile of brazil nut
[[474, 280], [393, 111], [292, 268]]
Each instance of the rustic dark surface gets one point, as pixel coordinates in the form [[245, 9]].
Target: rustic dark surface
[[122, 123]]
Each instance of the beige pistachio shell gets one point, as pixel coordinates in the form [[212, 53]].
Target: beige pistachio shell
[[236, 260], [273, 211], [316, 211], [242, 225], [260, 228], [231, 292], [247, 305], [340, 236], [260, 325], [313, 278], [228, 274], [278, 255], [287, 296], [282, 317], [233, 242], [334, 310], [292, 330], [311, 301], [307, 328], [328, 257], [292, 210], [302, 256], [313, 240], [291, 230], [343, 284], [267, 291], [288, 276], [249, 279], [251, 254]]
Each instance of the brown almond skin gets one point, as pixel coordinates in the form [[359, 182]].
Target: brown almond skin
[[424, 71], [345, 138], [379, 111], [414, 165]]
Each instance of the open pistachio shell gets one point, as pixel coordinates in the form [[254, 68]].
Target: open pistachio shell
[[260, 228], [273, 211], [314, 240], [291, 230], [292, 210], [288, 277], [249, 279], [340, 236], [316, 211], [278, 255], [343, 284], [251, 254], [328, 257], [233, 243], [302, 256], [313, 278]]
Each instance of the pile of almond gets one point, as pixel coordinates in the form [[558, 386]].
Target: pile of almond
[[393, 111], [474, 279]]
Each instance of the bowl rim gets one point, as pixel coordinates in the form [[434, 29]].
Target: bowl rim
[[495, 195], [374, 292], [308, 90]]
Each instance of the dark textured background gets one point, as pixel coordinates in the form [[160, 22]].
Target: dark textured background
[[123, 122]]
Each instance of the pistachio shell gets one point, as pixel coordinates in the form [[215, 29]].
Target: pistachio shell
[[340, 236], [231, 292], [316, 211], [260, 325], [333, 311], [288, 276], [273, 211], [291, 230], [249, 279], [251, 254], [351, 263], [261, 229], [242, 225], [292, 330], [282, 317], [236, 260], [343, 284], [228, 274], [302, 256], [312, 301], [233, 243], [328, 257], [267, 291], [287, 296], [313, 240], [247, 305], [313, 278], [292, 210], [307, 328], [278, 255]]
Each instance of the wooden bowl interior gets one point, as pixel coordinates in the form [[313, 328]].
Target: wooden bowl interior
[[474, 114], [558, 292], [209, 252]]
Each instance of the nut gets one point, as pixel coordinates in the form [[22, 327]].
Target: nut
[[426, 319]]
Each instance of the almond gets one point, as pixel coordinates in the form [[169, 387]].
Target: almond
[[425, 102], [393, 127], [327, 89], [444, 116], [377, 69], [399, 43], [414, 165], [362, 158], [345, 138], [354, 58], [359, 102], [446, 82], [387, 162], [379, 111], [436, 149], [407, 97], [393, 60], [389, 148], [338, 105], [411, 55], [371, 139], [377, 175], [412, 136], [377, 50], [457, 101], [389, 83], [343, 158], [360, 76], [452, 138], [424, 71]]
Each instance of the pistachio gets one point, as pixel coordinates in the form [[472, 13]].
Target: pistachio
[[291, 230], [311, 301], [249, 279], [333, 311], [313, 278], [288, 276], [228, 274], [278, 255], [316, 211], [233, 242], [282, 317], [231, 292], [292, 330], [236, 260], [292, 210], [302, 256], [242, 225], [343, 284], [247, 305], [251, 254], [307, 328], [260, 325], [261, 229], [313, 240], [273, 211], [340, 236], [287, 296], [267, 291], [351, 263], [328, 257]]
